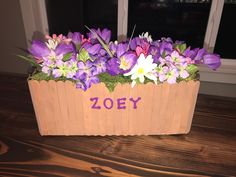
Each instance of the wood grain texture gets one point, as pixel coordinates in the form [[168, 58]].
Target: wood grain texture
[[208, 150], [61, 109]]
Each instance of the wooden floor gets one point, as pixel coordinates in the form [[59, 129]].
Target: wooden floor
[[208, 150]]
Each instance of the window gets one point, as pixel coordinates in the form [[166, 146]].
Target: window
[[180, 20], [225, 42], [73, 15]]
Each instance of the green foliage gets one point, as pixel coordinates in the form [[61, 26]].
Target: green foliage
[[112, 81], [31, 60], [192, 69], [67, 56], [181, 47], [83, 55], [78, 46], [193, 73], [40, 76]]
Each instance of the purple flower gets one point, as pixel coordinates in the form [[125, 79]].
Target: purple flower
[[168, 39], [199, 55], [113, 66], [121, 49], [123, 61], [100, 65], [86, 82], [76, 37], [212, 60], [66, 69], [104, 34], [91, 80], [64, 48], [92, 49], [84, 68], [127, 61], [162, 71], [134, 43], [81, 86], [39, 49], [121, 65], [190, 53], [113, 47], [46, 69], [195, 54], [155, 52], [172, 76], [166, 48], [102, 52], [183, 73], [56, 73], [73, 57]]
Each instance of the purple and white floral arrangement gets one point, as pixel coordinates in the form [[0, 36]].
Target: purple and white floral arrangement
[[138, 60]]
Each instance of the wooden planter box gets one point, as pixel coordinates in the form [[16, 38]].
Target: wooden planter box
[[148, 109]]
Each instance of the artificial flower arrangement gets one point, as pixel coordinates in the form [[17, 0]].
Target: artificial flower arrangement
[[94, 59], [152, 84]]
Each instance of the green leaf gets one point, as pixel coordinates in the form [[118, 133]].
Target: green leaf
[[112, 81], [181, 47], [83, 56], [30, 60], [192, 69], [67, 56], [163, 54], [39, 76], [78, 47]]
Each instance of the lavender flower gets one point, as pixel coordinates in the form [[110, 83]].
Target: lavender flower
[[113, 47], [127, 61], [196, 54], [65, 69], [39, 49], [92, 49], [64, 49], [155, 52], [212, 61], [104, 34], [100, 65], [75, 37], [172, 75], [49, 62], [183, 73], [86, 82], [113, 66], [161, 72], [84, 68], [165, 48]]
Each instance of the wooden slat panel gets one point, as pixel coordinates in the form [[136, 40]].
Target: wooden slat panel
[[163, 109]]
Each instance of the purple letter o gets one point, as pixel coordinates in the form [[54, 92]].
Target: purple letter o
[[105, 103]]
